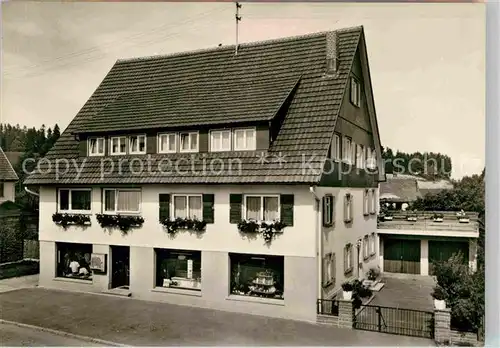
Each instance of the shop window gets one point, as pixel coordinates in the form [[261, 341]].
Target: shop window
[[73, 261], [178, 269], [257, 275]]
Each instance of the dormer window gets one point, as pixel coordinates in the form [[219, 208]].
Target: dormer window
[[220, 140], [347, 150], [118, 146], [188, 142], [137, 144], [335, 147], [167, 143], [244, 139], [355, 92], [96, 147]]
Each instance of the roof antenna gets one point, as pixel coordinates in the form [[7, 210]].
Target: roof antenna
[[238, 18]]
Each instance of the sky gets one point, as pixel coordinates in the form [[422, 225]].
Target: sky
[[427, 61]]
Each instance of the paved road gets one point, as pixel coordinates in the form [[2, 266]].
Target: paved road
[[15, 336]]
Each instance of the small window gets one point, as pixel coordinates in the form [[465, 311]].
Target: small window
[[75, 200], [372, 244], [371, 161], [366, 202], [335, 148], [360, 156], [373, 201], [96, 146], [122, 201], [328, 210], [2, 193], [329, 269], [137, 144], [348, 258], [167, 143], [355, 92], [348, 207], [347, 150], [262, 208], [244, 139], [188, 142], [187, 206], [220, 140], [366, 247], [118, 146]]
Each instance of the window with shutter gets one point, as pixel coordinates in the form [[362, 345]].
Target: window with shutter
[[365, 247], [348, 258], [326, 280], [366, 202], [333, 268], [348, 208], [328, 210], [373, 201], [164, 202], [372, 244], [208, 208], [286, 211]]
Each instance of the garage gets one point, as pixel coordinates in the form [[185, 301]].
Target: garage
[[402, 256], [443, 250]]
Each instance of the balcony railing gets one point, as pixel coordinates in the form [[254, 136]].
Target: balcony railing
[[428, 223], [328, 307]]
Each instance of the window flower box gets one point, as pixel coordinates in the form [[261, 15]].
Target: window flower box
[[268, 230], [65, 220], [173, 226], [437, 217], [123, 222]]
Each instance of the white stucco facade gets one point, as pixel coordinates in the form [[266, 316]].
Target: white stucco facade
[[9, 191], [298, 244]]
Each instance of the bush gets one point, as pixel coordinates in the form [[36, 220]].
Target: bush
[[373, 273], [439, 293], [347, 286]]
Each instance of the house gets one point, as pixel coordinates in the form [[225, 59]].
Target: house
[[167, 173], [8, 179], [400, 190], [411, 242]]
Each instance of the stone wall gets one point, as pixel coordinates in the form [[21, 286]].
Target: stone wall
[[464, 338]]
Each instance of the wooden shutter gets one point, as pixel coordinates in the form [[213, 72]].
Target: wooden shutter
[[164, 200], [366, 202], [325, 267], [151, 143], [208, 208], [235, 204], [286, 209], [345, 258], [348, 208], [333, 267], [328, 210]]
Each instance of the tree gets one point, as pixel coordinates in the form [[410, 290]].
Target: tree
[[463, 292]]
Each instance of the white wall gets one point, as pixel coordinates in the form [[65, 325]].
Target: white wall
[[336, 237], [298, 240], [9, 192]]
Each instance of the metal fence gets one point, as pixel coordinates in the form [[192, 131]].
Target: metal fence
[[392, 320], [328, 307]]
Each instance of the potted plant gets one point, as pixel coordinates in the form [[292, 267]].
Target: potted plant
[[437, 217], [439, 298], [347, 291]]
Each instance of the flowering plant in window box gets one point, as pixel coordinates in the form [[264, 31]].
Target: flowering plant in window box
[[270, 229], [411, 217], [437, 217], [123, 222], [172, 226], [248, 226], [65, 220]]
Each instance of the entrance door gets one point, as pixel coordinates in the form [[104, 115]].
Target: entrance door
[[402, 256], [120, 265]]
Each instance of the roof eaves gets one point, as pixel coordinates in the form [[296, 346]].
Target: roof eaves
[[10, 165]]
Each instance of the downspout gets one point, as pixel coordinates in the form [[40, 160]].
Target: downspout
[[31, 192], [319, 239]]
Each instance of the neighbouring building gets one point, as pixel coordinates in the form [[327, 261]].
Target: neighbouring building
[[8, 179], [411, 242], [175, 163], [400, 190]]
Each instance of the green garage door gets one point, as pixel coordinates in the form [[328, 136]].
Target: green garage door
[[443, 250], [402, 256]]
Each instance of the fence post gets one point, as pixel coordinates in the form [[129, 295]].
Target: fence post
[[442, 330], [346, 314]]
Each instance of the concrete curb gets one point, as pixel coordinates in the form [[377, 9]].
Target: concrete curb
[[64, 334]]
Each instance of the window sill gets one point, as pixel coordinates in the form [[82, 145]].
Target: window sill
[[268, 301], [347, 271], [73, 280], [118, 154], [348, 221], [186, 292], [329, 284]]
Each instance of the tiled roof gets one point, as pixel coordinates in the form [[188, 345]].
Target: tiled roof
[[251, 86], [7, 173], [399, 190]]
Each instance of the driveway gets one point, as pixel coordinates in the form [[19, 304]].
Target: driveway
[[406, 291], [142, 323], [10, 284]]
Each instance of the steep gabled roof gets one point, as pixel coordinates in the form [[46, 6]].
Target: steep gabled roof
[[265, 71], [7, 173]]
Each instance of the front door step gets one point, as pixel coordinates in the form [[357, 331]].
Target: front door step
[[119, 291]]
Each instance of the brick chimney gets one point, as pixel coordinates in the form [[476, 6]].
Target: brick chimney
[[332, 53]]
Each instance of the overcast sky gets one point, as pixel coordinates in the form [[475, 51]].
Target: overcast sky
[[426, 60]]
